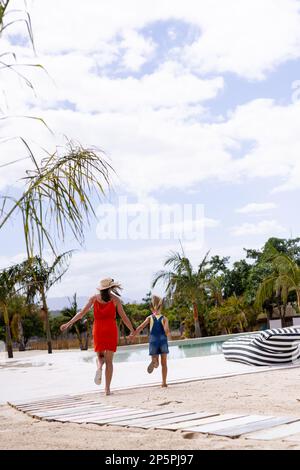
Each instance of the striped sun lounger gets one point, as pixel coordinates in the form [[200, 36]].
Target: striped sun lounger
[[270, 347]]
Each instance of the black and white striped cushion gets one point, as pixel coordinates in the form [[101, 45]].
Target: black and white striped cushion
[[269, 347]]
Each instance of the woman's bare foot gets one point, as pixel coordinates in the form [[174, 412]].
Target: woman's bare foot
[[164, 385], [107, 392]]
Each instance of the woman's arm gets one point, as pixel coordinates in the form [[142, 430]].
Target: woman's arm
[[122, 314], [78, 315]]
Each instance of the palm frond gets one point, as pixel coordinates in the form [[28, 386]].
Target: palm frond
[[59, 194]]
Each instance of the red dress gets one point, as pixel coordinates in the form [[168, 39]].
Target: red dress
[[105, 331]]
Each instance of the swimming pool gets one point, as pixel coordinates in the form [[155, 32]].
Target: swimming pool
[[177, 349]]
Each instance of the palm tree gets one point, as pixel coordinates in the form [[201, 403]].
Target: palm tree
[[77, 328], [182, 282], [38, 277], [8, 279], [17, 311], [230, 317], [3, 8], [284, 278], [290, 271], [215, 287]]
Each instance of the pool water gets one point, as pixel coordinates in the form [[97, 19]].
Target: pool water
[[177, 351]]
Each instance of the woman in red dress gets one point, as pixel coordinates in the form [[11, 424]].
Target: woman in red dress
[[105, 331]]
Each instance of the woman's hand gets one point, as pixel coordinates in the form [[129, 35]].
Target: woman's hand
[[131, 336], [64, 327]]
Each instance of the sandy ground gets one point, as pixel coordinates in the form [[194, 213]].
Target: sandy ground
[[276, 393]]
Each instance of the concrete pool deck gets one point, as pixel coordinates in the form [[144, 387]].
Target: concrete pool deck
[[35, 374]]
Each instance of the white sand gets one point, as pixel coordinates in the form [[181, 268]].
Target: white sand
[[35, 374], [276, 393]]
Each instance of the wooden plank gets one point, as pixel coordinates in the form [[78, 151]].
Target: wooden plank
[[188, 417], [60, 406], [126, 421], [105, 419], [277, 432], [109, 412], [132, 422], [212, 428], [74, 413], [93, 417], [35, 405], [237, 431], [43, 405], [70, 411], [211, 418], [105, 413], [160, 420], [140, 423]]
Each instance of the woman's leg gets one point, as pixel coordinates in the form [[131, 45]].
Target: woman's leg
[[164, 369], [100, 359], [109, 368]]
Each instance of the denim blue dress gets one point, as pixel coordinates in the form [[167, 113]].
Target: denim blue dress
[[158, 341]]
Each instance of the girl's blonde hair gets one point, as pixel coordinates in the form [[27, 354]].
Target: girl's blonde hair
[[156, 303]]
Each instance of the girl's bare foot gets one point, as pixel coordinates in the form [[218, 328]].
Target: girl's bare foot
[[153, 364], [164, 385], [151, 367], [107, 392]]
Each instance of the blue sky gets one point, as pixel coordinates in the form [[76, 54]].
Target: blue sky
[[193, 104]]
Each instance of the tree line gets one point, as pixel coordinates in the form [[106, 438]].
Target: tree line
[[214, 298]]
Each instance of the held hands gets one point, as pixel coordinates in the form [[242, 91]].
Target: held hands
[[131, 336], [64, 327]]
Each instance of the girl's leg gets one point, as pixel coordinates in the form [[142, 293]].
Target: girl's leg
[[108, 370], [154, 363], [155, 360], [164, 369]]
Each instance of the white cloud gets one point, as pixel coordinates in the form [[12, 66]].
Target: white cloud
[[154, 125], [246, 38], [256, 208], [274, 130], [293, 180], [267, 227], [149, 144], [137, 50]]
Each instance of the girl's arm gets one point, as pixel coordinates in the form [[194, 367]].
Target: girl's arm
[[142, 326], [122, 314], [166, 327], [78, 315]]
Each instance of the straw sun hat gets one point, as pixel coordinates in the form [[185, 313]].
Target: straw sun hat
[[108, 283]]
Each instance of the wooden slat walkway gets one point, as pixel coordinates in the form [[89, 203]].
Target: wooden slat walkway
[[88, 408], [279, 432]]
